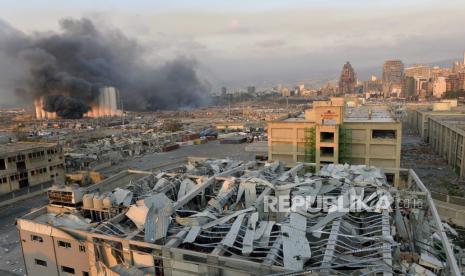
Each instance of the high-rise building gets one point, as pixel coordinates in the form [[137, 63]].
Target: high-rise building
[[453, 82], [421, 86], [393, 71], [299, 89], [348, 80], [418, 70], [372, 86], [439, 87], [461, 76], [408, 88], [251, 89]]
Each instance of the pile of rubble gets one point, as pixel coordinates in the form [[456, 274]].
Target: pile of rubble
[[225, 216], [111, 150], [341, 220]]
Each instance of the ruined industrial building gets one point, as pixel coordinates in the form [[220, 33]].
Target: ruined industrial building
[[107, 104], [28, 168], [213, 217]]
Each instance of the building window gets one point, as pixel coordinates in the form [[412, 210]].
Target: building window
[[2, 164], [383, 134], [64, 244], [390, 178], [82, 248], [41, 262], [67, 269], [85, 273], [326, 151], [36, 238], [327, 137]]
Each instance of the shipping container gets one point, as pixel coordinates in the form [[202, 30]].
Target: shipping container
[[233, 140], [170, 147]]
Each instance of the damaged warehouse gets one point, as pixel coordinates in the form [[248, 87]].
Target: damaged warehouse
[[215, 217]]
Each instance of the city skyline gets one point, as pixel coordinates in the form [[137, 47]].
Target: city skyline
[[268, 41]]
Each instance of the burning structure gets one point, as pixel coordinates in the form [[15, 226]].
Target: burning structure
[[212, 217], [106, 104], [64, 72]]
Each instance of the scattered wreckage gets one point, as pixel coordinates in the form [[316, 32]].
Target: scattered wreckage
[[222, 216]]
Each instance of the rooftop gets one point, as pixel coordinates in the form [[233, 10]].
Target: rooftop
[[216, 208], [9, 148], [367, 113], [457, 121]]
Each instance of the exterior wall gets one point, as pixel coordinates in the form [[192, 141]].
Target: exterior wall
[[151, 258], [320, 142], [286, 141], [49, 253], [446, 139], [448, 142], [74, 257], [42, 164], [380, 152], [417, 119], [33, 250]]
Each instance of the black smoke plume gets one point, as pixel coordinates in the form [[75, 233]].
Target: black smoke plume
[[68, 68]]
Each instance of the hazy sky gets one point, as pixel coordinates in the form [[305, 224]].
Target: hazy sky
[[264, 42]]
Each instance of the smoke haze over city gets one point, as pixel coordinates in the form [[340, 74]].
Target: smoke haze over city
[[257, 43], [262, 43], [67, 68]]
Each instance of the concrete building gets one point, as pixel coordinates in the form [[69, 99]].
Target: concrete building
[[408, 88], [453, 82], [285, 92], [418, 70], [25, 165], [439, 87], [332, 132], [459, 65], [209, 217], [393, 72], [442, 125], [372, 86], [421, 86], [419, 114], [446, 137], [348, 80], [437, 71], [461, 76]]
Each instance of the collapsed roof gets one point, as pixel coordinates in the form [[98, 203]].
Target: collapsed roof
[[351, 222]]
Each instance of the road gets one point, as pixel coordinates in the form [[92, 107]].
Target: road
[[11, 260], [212, 149]]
